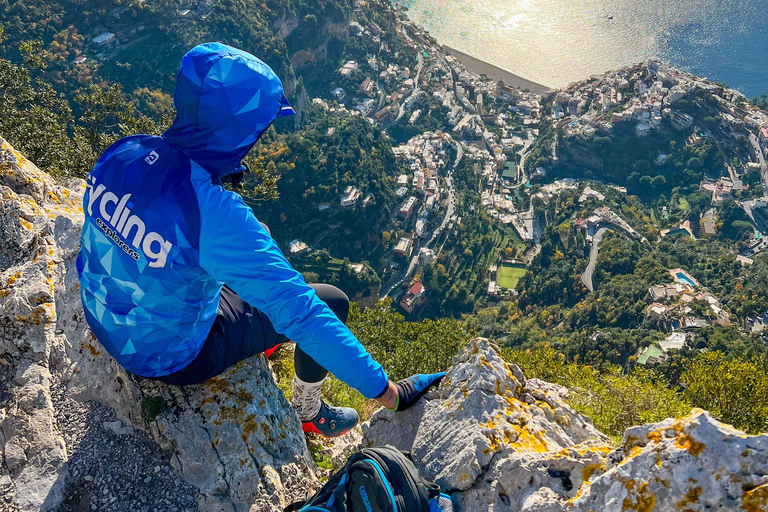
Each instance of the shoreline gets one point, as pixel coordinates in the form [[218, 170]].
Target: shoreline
[[480, 67]]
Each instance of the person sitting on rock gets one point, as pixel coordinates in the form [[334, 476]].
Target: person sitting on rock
[[180, 281]]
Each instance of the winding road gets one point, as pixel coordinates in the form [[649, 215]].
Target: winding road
[[586, 277], [451, 194], [417, 86], [414, 263]]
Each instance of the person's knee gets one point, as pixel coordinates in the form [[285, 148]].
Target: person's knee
[[336, 299]]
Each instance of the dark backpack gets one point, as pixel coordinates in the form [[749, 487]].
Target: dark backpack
[[377, 480]]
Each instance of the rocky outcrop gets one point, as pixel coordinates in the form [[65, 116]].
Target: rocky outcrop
[[322, 35], [70, 417], [501, 442], [285, 25]]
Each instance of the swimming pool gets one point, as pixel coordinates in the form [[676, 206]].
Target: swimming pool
[[684, 279]]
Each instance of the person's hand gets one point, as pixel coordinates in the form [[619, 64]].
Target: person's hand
[[411, 389]]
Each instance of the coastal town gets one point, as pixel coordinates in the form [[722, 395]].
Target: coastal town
[[496, 125]]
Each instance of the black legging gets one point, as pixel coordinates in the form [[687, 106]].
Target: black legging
[[307, 369]]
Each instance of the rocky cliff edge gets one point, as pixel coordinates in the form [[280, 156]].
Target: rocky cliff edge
[[78, 433]]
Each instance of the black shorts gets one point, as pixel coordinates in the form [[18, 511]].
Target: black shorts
[[241, 331]]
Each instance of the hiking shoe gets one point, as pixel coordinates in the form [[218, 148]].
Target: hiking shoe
[[332, 421]]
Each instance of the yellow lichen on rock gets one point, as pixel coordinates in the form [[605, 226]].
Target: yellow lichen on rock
[[691, 497], [639, 498], [590, 470], [529, 441], [756, 500]]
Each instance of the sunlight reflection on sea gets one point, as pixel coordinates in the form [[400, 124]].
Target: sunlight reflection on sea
[[555, 42]]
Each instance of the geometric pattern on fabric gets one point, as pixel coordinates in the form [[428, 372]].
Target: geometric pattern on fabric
[[146, 296]]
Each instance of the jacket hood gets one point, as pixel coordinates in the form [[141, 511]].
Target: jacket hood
[[225, 99]]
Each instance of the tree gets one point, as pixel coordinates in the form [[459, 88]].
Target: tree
[[311, 277], [33, 54], [659, 182]]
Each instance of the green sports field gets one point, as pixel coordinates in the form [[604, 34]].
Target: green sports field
[[508, 275]]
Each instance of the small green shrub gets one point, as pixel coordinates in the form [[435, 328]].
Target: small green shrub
[[322, 460], [152, 407], [732, 389]]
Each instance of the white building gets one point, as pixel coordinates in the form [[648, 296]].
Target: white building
[[297, 247], [104, 38], [680, 120], [348, 68], [351, 194]]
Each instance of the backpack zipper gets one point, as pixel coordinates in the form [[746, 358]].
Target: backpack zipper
[[411, 482], [386, 480]]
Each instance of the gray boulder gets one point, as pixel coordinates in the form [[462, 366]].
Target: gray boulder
[[68, 411], [499, 442]]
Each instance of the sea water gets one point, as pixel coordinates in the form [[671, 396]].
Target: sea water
[[555, 42]]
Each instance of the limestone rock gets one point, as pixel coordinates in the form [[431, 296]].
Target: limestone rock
[[502, 443], [482, 409], [693, 463], [235, 440]]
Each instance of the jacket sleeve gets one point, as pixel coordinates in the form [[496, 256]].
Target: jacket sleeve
[[236, 249]]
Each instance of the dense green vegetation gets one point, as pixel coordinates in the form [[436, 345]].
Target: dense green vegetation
[[629, 161], [315, 169]]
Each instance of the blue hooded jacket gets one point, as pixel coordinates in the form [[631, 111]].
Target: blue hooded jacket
[[162, 236]]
